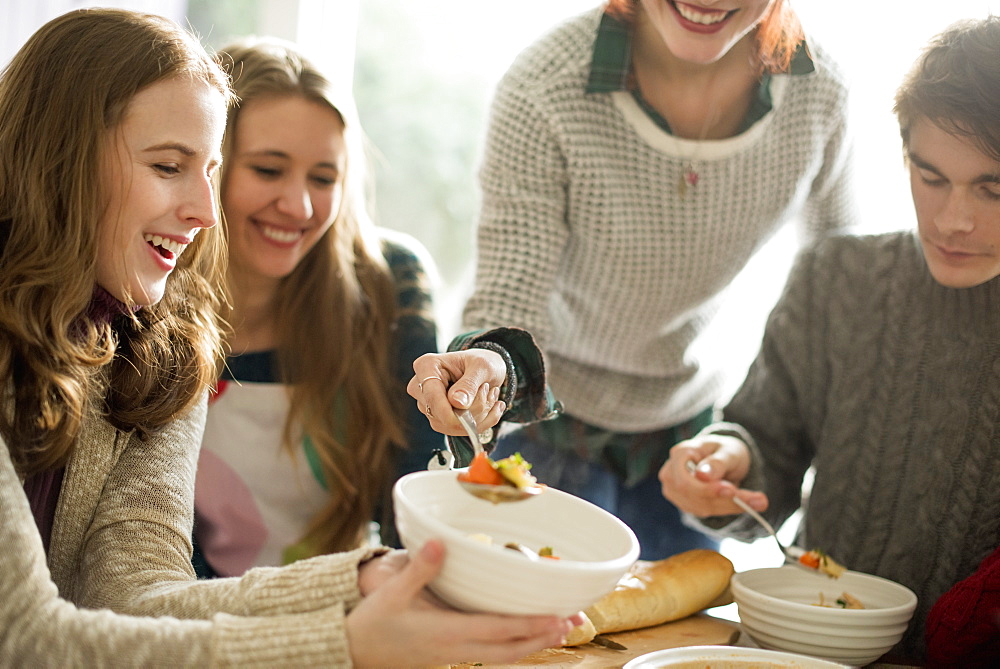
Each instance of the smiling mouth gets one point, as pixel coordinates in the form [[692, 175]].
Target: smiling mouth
[[705, 18], [167, 248], [281, 235]]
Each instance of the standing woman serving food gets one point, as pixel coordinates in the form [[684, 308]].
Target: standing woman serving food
[[110, 272], [637, 157]]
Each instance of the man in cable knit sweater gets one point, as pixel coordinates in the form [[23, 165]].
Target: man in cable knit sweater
[[880, 365]]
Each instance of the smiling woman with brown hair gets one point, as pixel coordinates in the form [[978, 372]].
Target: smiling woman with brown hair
[[111, 124]]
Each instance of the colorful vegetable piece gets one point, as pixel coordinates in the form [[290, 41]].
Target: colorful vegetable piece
[[482, 470], [820, 561]]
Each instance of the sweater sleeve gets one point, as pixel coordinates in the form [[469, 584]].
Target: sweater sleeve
[[522, 228], [963, 626], [42, 627], [137, 552]]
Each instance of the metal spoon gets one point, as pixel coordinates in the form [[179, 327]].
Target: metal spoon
[[791, 553], [491, 493]]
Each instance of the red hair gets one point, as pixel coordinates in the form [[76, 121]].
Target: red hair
[[779, 33]]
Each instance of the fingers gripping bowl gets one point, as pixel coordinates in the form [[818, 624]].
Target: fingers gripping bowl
[[778, 610], [594, 548]]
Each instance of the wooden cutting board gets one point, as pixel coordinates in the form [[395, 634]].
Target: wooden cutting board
[[696, 630]]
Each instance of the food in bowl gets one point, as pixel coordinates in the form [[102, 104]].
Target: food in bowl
[[594, 547], [845, 601], [777, 610], [543, 552]]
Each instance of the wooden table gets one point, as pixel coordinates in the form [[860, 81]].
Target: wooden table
[[696, 630]]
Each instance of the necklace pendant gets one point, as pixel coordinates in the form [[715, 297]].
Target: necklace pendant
[[689, 179]]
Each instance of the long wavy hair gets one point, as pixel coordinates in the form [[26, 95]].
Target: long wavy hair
[[335, 315], [61, 96], [778, 34], [956, 84]]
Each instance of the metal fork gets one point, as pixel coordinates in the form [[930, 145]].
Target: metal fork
[[791, 553]]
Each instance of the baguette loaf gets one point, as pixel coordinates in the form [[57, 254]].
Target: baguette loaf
[[653, 593]]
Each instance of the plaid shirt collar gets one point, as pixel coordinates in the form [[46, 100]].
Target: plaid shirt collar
[[611, 65]]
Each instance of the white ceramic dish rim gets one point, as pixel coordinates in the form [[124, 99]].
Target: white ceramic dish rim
[[739, 587], [444, 530], [732, 653]]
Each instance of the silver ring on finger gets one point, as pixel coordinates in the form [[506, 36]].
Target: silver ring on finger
[[420, 383]]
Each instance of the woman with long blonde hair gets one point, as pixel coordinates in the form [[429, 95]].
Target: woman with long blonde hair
[[307, 430]]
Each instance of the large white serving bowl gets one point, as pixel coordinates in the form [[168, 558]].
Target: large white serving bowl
[[594, 547], [777, 608], [726, 657]]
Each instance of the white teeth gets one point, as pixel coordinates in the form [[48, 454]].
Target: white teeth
[[697, 17], [279, 235], [170, 245]]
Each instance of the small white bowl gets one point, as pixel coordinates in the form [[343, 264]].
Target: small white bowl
[[778, 610], [595, 548], [725, 657]]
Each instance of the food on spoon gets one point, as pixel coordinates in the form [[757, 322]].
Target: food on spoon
[[657, 592], [820, 561], [845, 601], [512, 470], [482, 470]]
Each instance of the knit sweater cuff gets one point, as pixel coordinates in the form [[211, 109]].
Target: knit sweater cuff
[[311, 639], [309, 585]]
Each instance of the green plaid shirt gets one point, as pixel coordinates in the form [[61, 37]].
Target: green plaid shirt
[[611, 70]]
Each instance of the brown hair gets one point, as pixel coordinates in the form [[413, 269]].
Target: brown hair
[[955, 83], [61, 95], [334, 314], [779, 32]]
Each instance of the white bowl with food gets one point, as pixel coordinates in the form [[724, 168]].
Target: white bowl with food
[[591, 548], [790, 609], [725, 657]]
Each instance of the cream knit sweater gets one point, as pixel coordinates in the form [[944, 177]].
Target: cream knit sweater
[[585, 242], [121, 542]]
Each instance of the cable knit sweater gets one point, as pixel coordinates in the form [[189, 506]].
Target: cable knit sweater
[[889, 384], [121, 541], [585, 241]]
